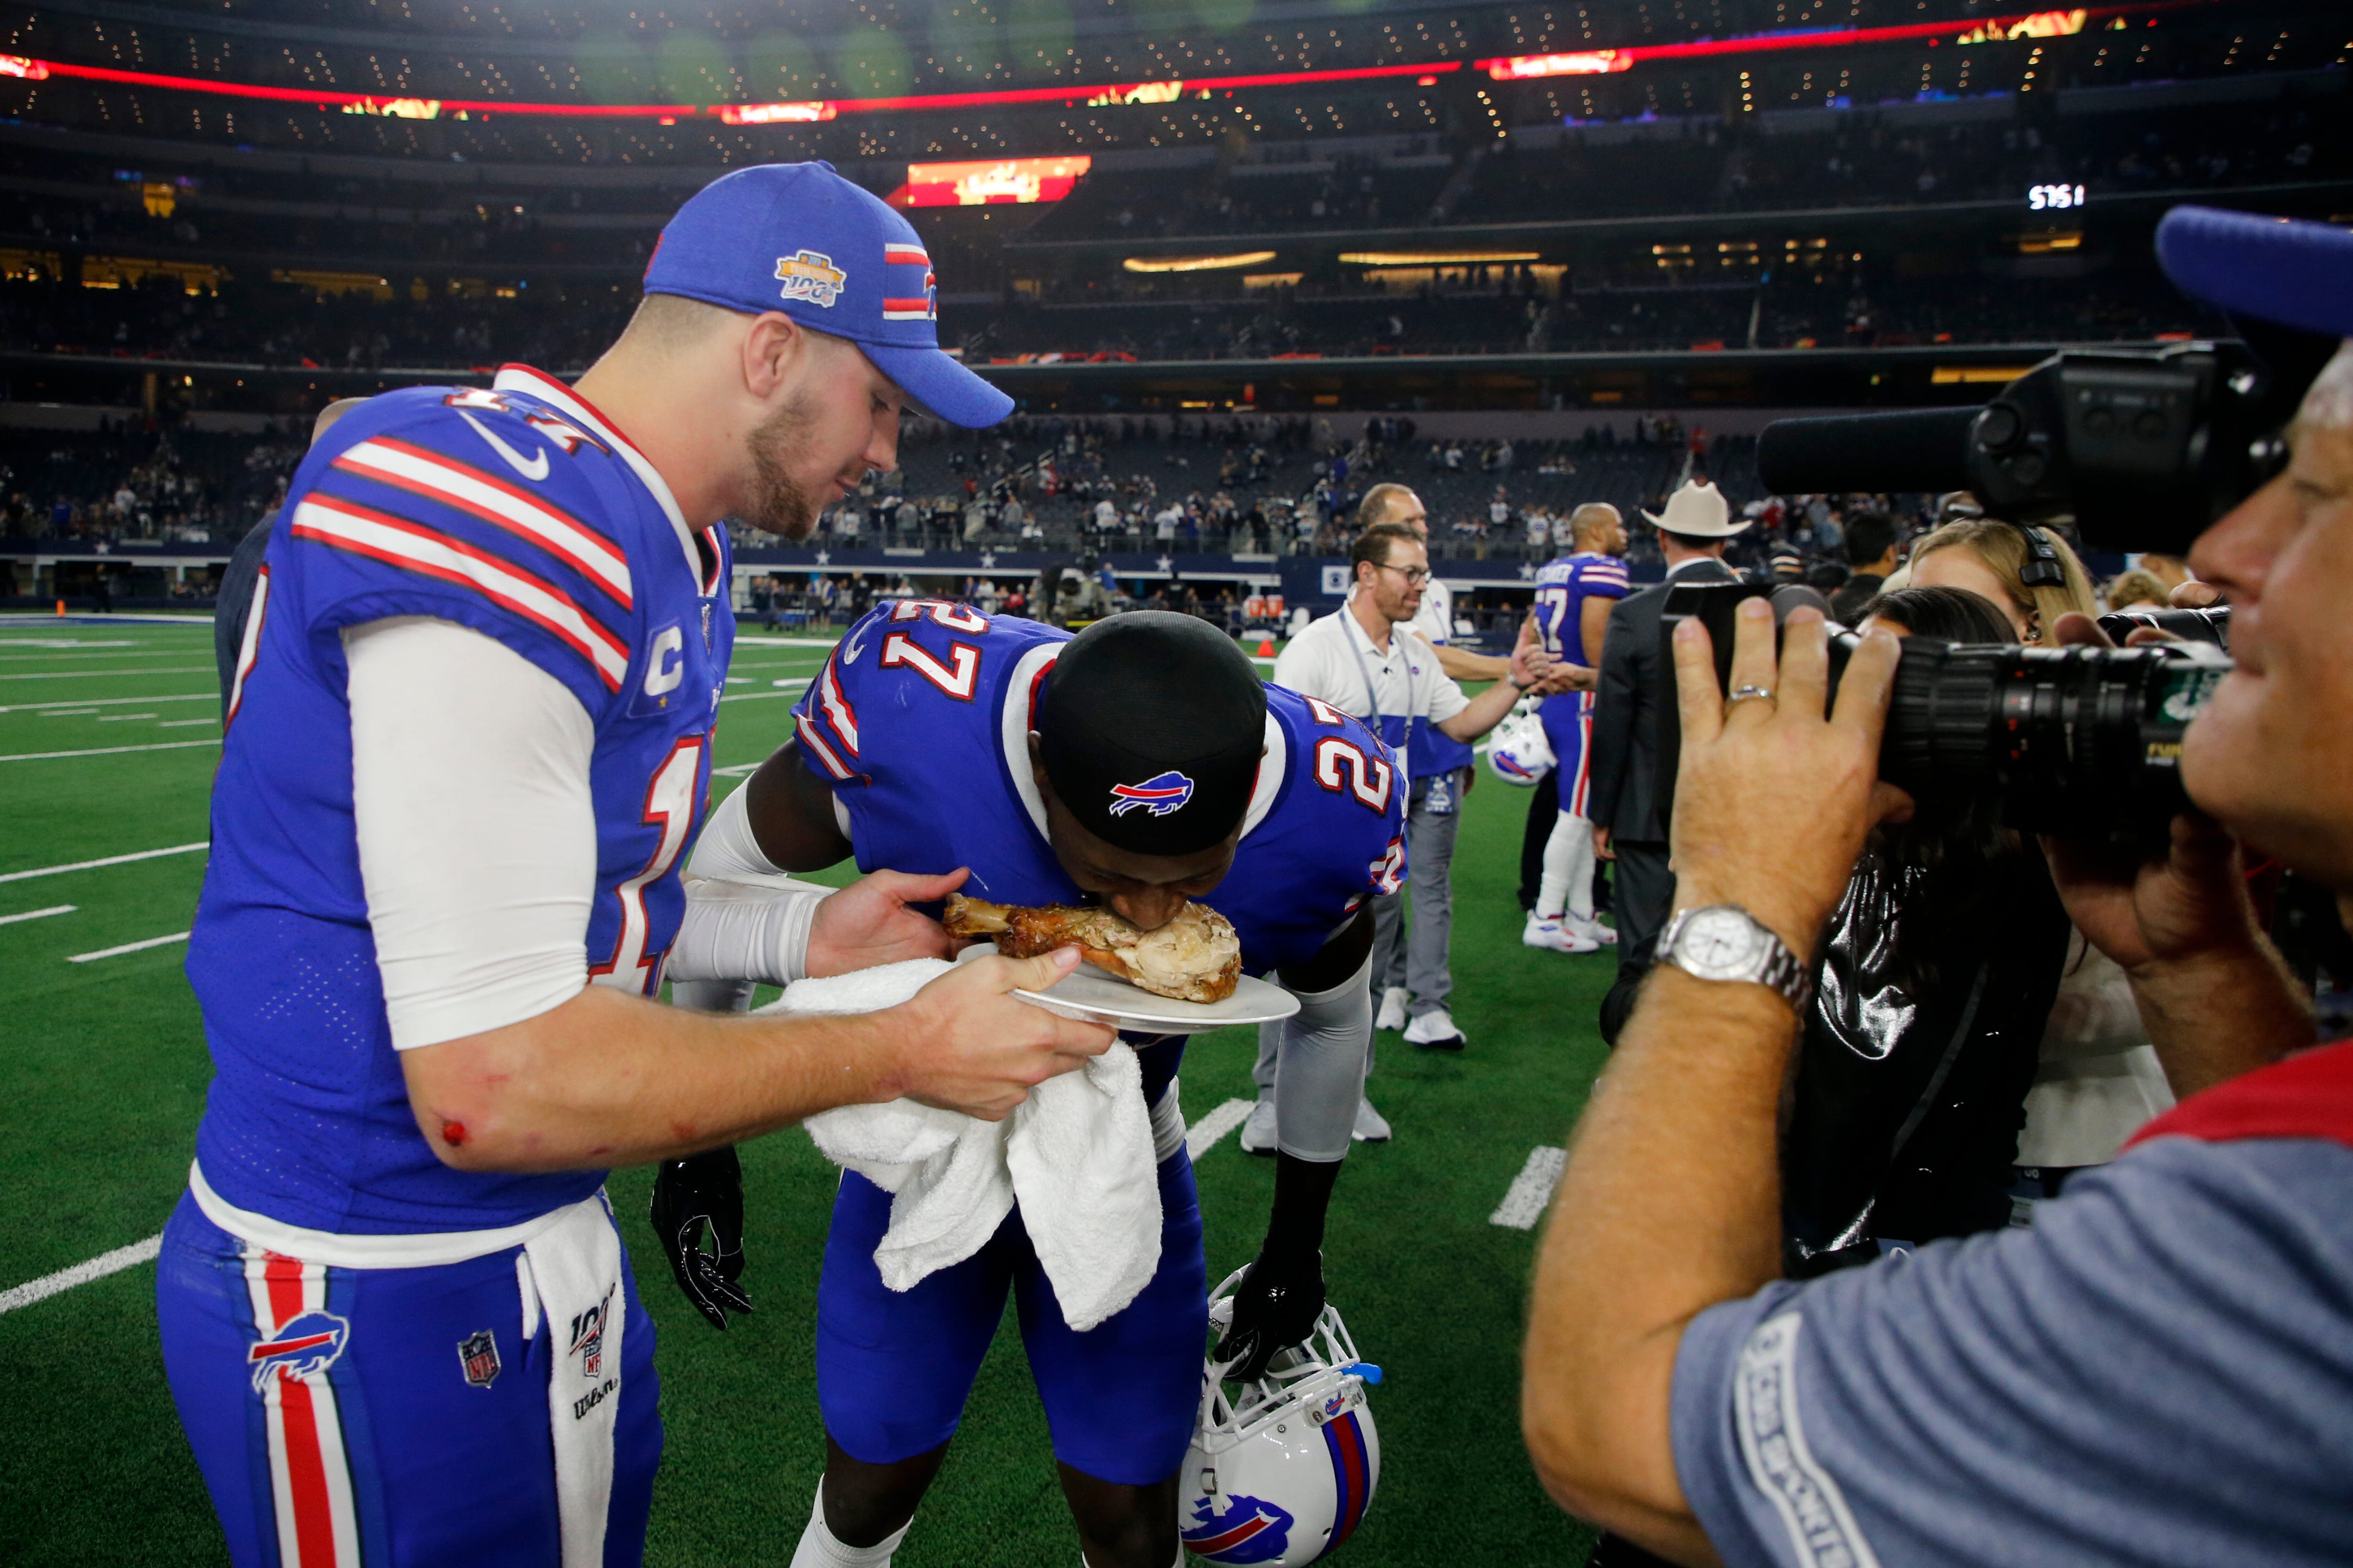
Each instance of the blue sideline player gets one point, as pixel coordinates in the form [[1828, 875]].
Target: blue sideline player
[[468, 748], [938, 738], [1574, 592]]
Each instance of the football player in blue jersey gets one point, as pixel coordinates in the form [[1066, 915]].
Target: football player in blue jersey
[[467, 747], [1573, 596], [938, 739]]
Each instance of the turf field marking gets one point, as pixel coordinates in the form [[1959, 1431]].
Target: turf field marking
[[68, 712], [122, 718], [64, 1279], [105, 751], [183, 724], [106, 701], [1205, 1134], [1531, 1189], [740, 771], [108, 860], [128, 947], [783, 642], [73, 674], [59, 642], [37, 914]]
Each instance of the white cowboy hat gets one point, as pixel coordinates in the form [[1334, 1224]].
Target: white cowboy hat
[[1698, 511]]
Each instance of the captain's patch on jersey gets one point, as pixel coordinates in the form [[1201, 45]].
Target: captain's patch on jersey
[[812, 276], [1159, 795]]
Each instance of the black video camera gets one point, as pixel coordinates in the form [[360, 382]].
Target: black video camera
[[2140, 449], [2082, 742]]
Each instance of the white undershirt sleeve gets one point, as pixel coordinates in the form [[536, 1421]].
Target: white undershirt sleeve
[[477, 828]]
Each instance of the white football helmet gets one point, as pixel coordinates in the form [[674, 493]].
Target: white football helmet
[[1282, 1469], [1519, 752]]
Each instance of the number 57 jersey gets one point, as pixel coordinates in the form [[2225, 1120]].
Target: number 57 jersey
[[519, 513], [920, 720]]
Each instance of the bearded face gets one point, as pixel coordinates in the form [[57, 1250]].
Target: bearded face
[[781, 443]]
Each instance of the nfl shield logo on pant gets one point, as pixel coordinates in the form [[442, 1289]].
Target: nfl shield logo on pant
[[478, 1353]]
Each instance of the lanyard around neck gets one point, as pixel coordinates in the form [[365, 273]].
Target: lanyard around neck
[[1372, 692]]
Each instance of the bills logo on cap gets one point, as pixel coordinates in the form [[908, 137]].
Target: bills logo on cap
[[812, 276], [1159, 795]]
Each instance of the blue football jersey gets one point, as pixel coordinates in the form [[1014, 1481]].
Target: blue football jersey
[[920, 720], [1563, 584], [519, 512]]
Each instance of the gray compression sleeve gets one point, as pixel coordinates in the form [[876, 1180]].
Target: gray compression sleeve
[[1319, 1072]]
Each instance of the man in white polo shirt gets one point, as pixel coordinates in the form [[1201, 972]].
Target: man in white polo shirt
[[1365, 661]]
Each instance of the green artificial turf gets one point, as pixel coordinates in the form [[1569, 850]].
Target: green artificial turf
[[105, 1069]]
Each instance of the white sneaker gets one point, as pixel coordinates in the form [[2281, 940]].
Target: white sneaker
[[1258, 1131], [1557, 934], [1372, 1127], [1392, 1015], [1592, 929], [1434, 1031]]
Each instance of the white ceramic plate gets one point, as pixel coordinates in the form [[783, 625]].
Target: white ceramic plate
[[1089, 993]]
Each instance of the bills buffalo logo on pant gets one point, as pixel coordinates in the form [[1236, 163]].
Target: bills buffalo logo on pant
[[307, 1343], [1159, 795], [1247, 1529]]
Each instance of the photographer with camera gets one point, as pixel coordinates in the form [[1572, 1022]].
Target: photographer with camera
[[2161, 1370]]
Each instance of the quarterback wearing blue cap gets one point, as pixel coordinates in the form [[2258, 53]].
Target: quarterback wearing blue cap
[[468, 749]]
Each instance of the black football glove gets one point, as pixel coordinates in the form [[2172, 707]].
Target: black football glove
[[1275, 1309], [702, 1190]]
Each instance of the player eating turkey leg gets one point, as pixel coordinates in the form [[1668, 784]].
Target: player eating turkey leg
[[1140, 767]]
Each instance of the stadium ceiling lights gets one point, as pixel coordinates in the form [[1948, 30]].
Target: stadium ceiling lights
[[2024, 25], [1100, 95], [1431, 258], [1195, 263]]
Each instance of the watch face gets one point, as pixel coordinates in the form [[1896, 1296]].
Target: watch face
[[1719, 944]]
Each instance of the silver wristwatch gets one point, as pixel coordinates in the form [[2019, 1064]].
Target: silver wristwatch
[[1724, 941]]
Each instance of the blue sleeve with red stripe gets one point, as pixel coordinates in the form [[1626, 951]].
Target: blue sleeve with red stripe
[[451, 504]]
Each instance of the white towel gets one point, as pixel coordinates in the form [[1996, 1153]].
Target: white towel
[[572, 1270], [1077, 1155]]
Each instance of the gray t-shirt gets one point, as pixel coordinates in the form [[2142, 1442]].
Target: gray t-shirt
[[2160, 1372]]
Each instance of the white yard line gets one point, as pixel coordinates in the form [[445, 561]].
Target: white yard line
[[183, 724], [740, 771], [64, 1279], [37, 914], [108, 701], [128, 947], [741, 641], [1205, 1134], [108, 860], [72, 674], [56, 644], [105, 751], [68, 712], [123, 718], [1531, 1189]]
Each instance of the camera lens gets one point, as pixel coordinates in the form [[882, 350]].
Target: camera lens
[[2077, 742]]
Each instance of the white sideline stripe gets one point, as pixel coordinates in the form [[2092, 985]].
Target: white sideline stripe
[[108, 701], [183, 724], [800, 684], [68, 712], [123, 718], [128, 947], [1531, 1189], [72, 674], [1205, 1134], [757, 696], [37, 914], [108, 860], [783, 642], [105, 751], [64, 1279], [59, 642]]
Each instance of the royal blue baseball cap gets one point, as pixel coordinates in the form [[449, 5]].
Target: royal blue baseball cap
[[2288, 271], [799, 239]]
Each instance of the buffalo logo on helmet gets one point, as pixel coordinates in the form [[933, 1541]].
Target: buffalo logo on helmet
[[1247, 1529], [806, 275], [306, 1343], [1159, 795]]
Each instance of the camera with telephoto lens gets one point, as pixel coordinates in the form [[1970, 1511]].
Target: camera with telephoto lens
[[2078, 741]]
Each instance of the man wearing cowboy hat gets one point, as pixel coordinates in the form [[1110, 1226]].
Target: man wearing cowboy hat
[[1627, 826]]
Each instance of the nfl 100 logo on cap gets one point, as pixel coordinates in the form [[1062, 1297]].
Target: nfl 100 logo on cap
[[1158, 795], [809, 276]]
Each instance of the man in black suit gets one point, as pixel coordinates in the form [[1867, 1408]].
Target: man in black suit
[[1627, 822], [1871, 558]]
